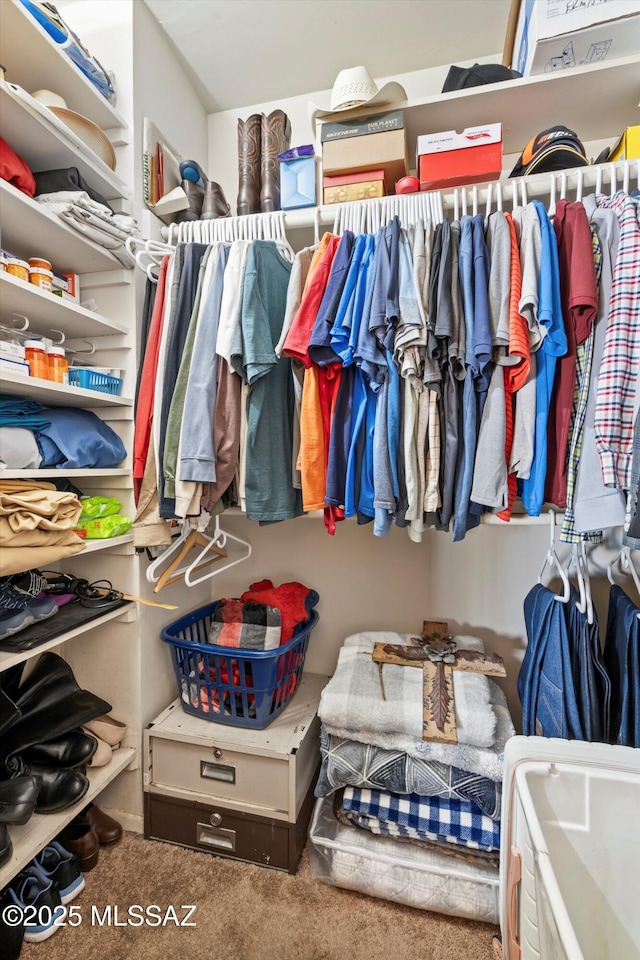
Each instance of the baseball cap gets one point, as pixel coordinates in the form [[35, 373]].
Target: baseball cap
[[480, 73], [556, 148]]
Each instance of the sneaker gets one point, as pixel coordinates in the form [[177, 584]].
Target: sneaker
[[32, 888], [18, 611], [62, 867]]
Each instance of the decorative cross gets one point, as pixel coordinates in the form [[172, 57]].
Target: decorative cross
[[438, 656]]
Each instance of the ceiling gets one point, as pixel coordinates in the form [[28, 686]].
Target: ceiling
[[241, 52]]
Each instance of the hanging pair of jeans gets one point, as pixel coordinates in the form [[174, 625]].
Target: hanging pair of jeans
[[622, 660], [590, 677], [545, 681]]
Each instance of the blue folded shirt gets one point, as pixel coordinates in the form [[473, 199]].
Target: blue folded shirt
[[77, 439]]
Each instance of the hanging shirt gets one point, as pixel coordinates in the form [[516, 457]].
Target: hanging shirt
[[269, 492], [579, 294], [296, 343], [553, 346], [618, 377], [596, 506], [320, 350]]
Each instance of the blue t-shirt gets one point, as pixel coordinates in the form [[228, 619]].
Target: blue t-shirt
[[320, 350], [554, 345]]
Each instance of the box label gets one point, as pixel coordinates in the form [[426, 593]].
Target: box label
[[346, 129]]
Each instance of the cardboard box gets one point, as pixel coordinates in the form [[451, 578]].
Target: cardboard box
[[14, 367], [11, 350], [359, 127], [297, 183], [366, 144], [628, 146], [364, 185], [452, 159], [556, 35]]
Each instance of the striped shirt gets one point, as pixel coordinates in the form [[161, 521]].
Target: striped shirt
[[618, 375]]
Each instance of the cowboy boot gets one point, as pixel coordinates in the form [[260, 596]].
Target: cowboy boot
[[215, 203], [249, 141], [276, 138]]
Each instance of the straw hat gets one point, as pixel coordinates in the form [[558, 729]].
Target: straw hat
[[86, 130], [356, 88]]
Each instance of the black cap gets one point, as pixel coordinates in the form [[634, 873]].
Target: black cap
[[480, 73], [556, 148]]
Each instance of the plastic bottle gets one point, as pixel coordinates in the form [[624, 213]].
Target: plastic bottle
[[58, 368], [36, 356]]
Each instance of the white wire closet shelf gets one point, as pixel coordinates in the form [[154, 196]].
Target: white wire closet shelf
[[368, 215]]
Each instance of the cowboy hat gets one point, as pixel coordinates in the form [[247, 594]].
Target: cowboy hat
[[355, 88], [86, 130]]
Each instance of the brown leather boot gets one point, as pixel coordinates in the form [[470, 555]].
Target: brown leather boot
[[276, 138], [249, 144], [215, 203]]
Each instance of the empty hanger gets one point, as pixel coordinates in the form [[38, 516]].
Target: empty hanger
[[195, 538], [551, 560], [627, 566], [218, 542]]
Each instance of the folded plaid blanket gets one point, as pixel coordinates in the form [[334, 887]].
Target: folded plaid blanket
[[252, 626], [350, 763], [368, 699], [421, 818]]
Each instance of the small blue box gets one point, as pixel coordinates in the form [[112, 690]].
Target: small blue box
[[298, 183]]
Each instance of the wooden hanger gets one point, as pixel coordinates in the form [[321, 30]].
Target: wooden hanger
[[195, 538]]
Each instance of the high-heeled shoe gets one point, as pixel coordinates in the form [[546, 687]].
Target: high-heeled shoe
[[195, 197]]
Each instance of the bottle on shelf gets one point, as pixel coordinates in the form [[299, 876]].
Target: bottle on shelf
[[58, 367], [36, 356]]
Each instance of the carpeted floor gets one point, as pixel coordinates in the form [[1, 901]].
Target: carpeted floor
[[247, 913]]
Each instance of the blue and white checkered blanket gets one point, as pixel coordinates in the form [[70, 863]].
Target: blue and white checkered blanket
[[421, 818]]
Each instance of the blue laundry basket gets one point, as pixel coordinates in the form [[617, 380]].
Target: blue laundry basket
[[242, 688]]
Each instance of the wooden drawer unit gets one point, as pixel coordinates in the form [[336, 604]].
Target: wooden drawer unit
[[240, 793]]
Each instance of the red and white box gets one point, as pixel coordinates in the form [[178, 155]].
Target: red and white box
[[451, 159]]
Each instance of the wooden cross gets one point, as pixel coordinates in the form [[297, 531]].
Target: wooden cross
[[438, 656]]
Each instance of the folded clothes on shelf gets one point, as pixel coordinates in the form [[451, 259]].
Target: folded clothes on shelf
[[67, 179], [93, 220], [36, 525]]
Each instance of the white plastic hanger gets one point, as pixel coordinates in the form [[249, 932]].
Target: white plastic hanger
[[218, 541], [551, 560], [551, 209], [627, 567], [578, 559], [498, 196]]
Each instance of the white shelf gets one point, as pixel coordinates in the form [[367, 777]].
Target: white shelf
[[41, 828], [58, 394], [8, 659], [45, 147], [55, 472], [35, 61], [597, 101], [93, 546], [28, 231], [47, 312]]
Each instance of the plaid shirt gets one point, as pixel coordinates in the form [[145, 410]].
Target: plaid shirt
[[619, 368]]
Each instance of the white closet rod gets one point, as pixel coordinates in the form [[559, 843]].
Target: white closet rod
[[482, 198]]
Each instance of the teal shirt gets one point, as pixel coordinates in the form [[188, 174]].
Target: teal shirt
[[270, 412]]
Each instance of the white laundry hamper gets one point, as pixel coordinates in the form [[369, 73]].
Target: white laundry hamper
[[570, 851]]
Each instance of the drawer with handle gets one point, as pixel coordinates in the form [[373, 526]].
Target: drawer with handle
[[228, 833], [217, 772]]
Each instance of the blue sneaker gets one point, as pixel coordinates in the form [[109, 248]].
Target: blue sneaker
[[32, 889], [62, 867]]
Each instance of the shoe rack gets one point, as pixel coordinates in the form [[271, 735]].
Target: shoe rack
[[104, 652]]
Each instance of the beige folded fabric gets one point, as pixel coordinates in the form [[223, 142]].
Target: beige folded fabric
[[36, 525], [18, 559]]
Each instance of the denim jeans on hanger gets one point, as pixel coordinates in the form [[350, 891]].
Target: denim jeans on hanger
[[545, 681], [590, 677], [621, 658]]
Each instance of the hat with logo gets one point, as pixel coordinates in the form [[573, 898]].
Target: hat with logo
[[459, 78], [556, 148]]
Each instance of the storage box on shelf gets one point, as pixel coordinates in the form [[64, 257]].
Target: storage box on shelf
[[240, 793]]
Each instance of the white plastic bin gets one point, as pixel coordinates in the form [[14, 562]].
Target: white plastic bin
[[570, 855], [400, 871]]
